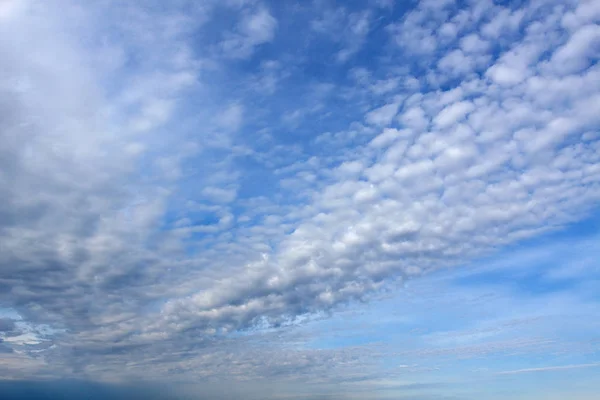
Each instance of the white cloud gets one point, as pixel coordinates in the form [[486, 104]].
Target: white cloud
[[453, 113], [348, 30], [505, 75], [549, 369], [587, 11], [256, 27], [220, 195], [577, 54], [385, 86], [357, 29], [473, 44], [415, 118], [448, 31], [387, 137], [259, 27], [456, 63], [504, 22], [383, 115]]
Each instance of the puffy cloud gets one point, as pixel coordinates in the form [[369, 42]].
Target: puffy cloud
[[383, 115], [453, 113], [582, 47]]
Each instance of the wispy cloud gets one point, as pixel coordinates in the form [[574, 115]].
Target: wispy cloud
[[256, 27], [546, 369]]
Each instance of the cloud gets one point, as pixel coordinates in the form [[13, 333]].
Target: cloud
[[441, 176], [220, 195], [451, 114], [383, 115], [146, 224], [255, 28], [358, 29], [576, 54], [349, 30], [547, 369]]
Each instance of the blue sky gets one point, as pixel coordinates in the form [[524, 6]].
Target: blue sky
[[300, 199]]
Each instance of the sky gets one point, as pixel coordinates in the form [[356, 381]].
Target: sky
[[266, 199]]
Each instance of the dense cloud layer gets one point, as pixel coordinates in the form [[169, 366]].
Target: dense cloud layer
[[146, 210]]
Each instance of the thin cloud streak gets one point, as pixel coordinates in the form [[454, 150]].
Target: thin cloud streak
[[545, 369]]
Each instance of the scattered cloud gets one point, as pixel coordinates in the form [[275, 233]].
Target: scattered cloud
[[382, 116], [349, 30]]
